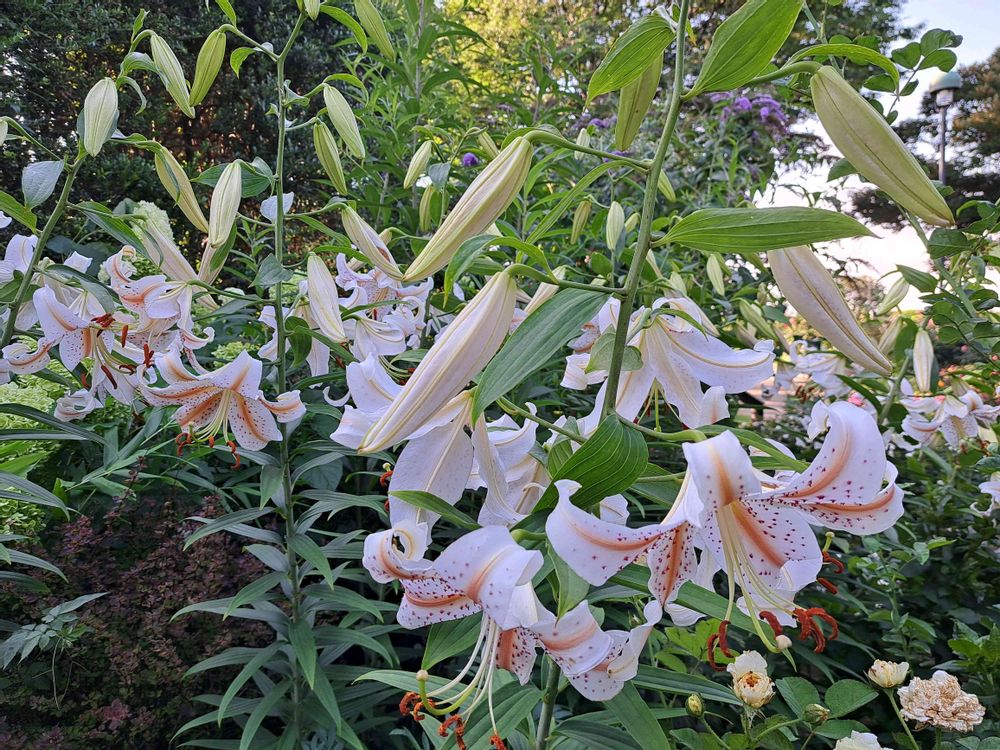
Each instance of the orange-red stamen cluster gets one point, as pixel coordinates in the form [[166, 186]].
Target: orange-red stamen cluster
[[456, 721], [809, 628], [719, 641], [497, 742]]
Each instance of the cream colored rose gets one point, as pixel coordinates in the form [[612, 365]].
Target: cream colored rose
[[750, 680], [888, 674], [941, 702], [859, 741]]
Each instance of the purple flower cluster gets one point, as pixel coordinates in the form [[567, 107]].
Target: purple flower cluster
[[469, 159], [768, 110]]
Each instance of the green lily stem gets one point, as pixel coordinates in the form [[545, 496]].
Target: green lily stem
[[295, 598], [895, 707], [514, 410], [548, 708], [546, 137], [802, 66], [682, 436], [36, 256], [646, 222], [775, 728]]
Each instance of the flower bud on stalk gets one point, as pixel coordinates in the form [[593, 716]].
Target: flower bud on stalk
[[873, 148], [344, 121], [424, 209], [695, 706], [815, 714], [418, 164], [811, 290], [369, 242], [923, 360], [676, 282], [324, 300], [888, 674], [896, 294], [753, 315], [4, 127], [665, 188], [372, 23], [887, 342], [329, 156], [487, 197], [633, 104], [311, 7], [171, 73], [580, 218], [210, 58], [614, 225], [175, 181], [582, 139], [225, 204], [100, 115], [487, 145], [716, 274], [631, 222], [458, 354]]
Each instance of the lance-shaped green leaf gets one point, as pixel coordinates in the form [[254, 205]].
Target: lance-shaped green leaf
[[853, 52], [633, 104], [745, 43], [539, 337], [635, 715], [747, 230], [38, 181], [633, 52]]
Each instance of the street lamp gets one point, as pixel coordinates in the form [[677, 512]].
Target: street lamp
[[944, 88]]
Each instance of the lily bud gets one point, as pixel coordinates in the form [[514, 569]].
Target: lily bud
[[175, 181], [582, 139], [487, 145], [896, 294], [665, 188], [887, 342], [614, 225], [633, 103], [369, 242], [424, 210], [100, 115], [372, 23], [225, 204], [418, 164], [716, 274], [324, 299], [171, 73], [815, 714], [458, 355], [695, 706], [544, 292], [344, 121], [676, 282], [486, 198], [923, 360], [311, 7], [811, 290], [4, 128], [210, 58], [631, 222], [888, 674], [872, 147], [580, 218], [329, 156]]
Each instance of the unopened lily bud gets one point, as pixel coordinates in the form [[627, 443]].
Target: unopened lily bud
[[324, 299], [753, 315], [4, 128], [329, 156], [487, 197], [418, 164], [923, 360], [424, 209], [311, 7], [171, 73], [209, 63], [676, 282], [369, 242], [344, 121], [716, 274], [372, 23], [811, 290], [487, 145], [544, 292], [887, 341], [175, 181], [815, 714], [459, 353], [580, 218], [896, 294], [100, 115], [631, 222], [633, 103], [695, 706], [665, 188], [614, 225], [872, 147], [888, 674], [225, 204], [582, 139], [783, 642]]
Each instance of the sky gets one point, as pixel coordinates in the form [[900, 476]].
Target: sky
[[976, 21]]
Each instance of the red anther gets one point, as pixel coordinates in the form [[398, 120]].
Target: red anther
[[106, 371], [710, 645], [406, 706], [211, 441], [384, 479], [124, 334], [339, 362], [232, 449], [410, 370], [147, 355], [827, 585], [83, 380], [104, 321], [182, 440], [771, 619], [838, 566], [497, 742], [723, 643], [127, 368], [811, 629], [458, 731], [386, 505]]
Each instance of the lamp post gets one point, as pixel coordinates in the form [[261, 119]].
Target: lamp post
[[944, 88]]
